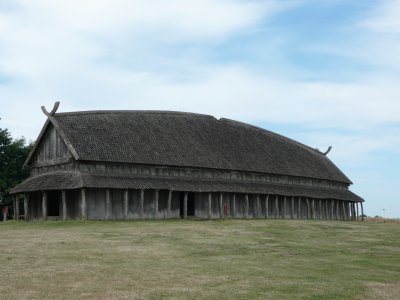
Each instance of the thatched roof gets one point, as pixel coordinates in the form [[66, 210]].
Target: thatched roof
[[190, 140]]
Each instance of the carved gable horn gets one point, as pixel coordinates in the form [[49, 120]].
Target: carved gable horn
[[53, 111], [327, 151]]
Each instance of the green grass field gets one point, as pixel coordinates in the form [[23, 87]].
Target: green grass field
[[229, 259]]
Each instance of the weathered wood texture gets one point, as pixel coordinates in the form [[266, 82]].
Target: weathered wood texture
[[52, 150]]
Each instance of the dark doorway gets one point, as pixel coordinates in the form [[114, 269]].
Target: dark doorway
[[190, 204], [53, 203]]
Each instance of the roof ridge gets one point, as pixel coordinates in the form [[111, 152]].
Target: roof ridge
[[167, 112]]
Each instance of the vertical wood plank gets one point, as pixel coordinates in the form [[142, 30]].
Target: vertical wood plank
[[108, 204], [44, 205], [209, 205], [292, 210], [276, 207], [169, 203], [64, 204], [142, 204], [246, 212], [125, 204], [266, 206], [83, 204], [362, 212], [313, 209], [234, 206], [185, 200], [156, 198], [221, 209], [26, 210]]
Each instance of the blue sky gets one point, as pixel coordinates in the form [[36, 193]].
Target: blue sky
[[321, 72]]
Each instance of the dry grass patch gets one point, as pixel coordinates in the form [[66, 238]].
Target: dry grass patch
[[232, 259]]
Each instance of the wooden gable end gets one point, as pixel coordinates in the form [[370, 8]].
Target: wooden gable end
[[52, 149]]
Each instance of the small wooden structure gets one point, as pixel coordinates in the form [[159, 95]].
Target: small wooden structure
[[122, 165]]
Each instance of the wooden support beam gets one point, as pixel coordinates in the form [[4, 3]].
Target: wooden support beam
[[326, 210], [362, 212], [142, 204], [14, 207], [156, 198], [64, 204], [125, 204], [337, 210], [221, 208], [83, 204], [332, 208], [17, 207], [258, 214], [308, 209], [357, 212], [343, 211], [44, 205], [26, 207], [108, 204], [266, 206], [234, 206], [284, 208], [209, 205], [246, 212], [299, 215], [185, 200], [169, 203], [276, 208], [313, 209], [292, 210]]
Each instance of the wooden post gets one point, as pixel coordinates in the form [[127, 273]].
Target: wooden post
[[26, 213], [337, 210], [125, 204], [185, 200], [344, 211], [284, 208], [332, 207], [292, 210], [169, 203], [17, 207], [362, 212], [308, 208], [108, 204], [209, 205], [156, 197], [266, 206], [83, 204], [276, 207], [357, 212], [313, 209], [221, 209], [326, 210], [246, 213], [142, 204], [234, 206], [258, 214], [299, 214], [44, 205], [14, 207], [64, 204]]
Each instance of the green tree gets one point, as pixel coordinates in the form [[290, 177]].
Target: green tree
[[13, 153]]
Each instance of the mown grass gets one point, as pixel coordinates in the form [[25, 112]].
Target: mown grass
[[228, 259]]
